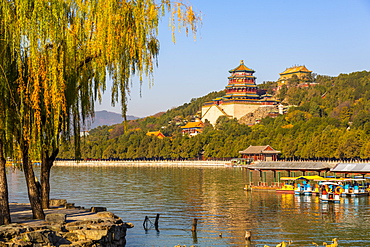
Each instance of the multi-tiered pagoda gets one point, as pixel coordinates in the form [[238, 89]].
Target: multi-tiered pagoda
[[242, 96]]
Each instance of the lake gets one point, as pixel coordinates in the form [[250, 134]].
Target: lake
[[213, 195]]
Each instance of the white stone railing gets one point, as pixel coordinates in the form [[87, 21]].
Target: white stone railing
[[207, 163]]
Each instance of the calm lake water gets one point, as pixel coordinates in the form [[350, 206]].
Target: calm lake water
[[214, 196]]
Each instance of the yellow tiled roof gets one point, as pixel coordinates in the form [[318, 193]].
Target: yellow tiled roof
[[241, 67], [295, 69], [155, 133], [193, 125]]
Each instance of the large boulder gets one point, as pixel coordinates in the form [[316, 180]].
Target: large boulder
[[57, 202], [56, 218], [101, 229], [98, 209]]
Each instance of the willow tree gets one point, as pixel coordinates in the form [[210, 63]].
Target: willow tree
[[63, 51], [7, 73], [4, 203]]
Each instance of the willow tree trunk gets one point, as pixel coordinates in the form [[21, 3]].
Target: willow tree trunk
[[4, 201], [33, 192], [46, 164]]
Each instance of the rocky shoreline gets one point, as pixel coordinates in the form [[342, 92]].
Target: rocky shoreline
[[64, 225]]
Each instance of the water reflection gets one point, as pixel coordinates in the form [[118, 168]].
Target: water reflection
[[215, 197]]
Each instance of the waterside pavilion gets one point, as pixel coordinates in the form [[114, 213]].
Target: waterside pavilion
[[352, 169], [263, 153], [291, 168]]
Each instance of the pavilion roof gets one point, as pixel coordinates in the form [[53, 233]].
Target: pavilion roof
[[241, 67], [218, 98], [292, 165], [250, 95], [352, 168], [241, 76], [259, 149], [231, 85], [190, 125], [158, 134], [296, 69]]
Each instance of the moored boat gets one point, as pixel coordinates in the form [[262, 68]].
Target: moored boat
[[304, 185], [330, 192], [286, 188], [298, 190], [355, 188]]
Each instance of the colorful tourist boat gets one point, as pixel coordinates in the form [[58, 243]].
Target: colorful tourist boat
[[355, 187], [288, 185], [303, 185], [298, 190], [330, 192], [286, 189]]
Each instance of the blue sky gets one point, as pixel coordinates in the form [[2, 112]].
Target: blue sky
[[328, 37]]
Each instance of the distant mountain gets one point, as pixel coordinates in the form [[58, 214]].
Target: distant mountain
[[107, 118]]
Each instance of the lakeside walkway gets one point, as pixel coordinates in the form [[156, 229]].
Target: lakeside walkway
[[21, 213], [187, 163]]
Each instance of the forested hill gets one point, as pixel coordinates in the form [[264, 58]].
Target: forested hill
[[328, 120]]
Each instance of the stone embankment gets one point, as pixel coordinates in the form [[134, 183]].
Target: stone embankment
[[262, 112], [64, 225], [216, 163]]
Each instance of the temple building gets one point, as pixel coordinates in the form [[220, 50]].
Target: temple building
[[156, 134], [262, 153], [193, 128], [301, 72], [242, 97]]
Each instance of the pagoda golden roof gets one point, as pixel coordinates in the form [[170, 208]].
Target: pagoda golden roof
[[241, 67], [190, 125], [155, 133], [296, 69]]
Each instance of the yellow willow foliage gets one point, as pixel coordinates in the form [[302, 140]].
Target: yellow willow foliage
[[64, 49]]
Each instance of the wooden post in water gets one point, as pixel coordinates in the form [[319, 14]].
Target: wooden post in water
[[156, 222], [145, 223], [194, 225], [194, 230]]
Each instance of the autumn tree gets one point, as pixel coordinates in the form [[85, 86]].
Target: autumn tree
[[7, 74], [62, 53]]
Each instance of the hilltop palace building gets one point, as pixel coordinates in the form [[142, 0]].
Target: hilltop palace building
[[301, 72], [242, 97]]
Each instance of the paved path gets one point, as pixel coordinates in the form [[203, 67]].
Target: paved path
[[22, 213]]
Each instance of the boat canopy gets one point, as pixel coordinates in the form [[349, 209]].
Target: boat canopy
[[329, 183], [320, 179], [315, 178], [331, 179]]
